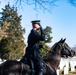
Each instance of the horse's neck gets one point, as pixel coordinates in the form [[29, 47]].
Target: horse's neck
[[54, 57], [54, 62]]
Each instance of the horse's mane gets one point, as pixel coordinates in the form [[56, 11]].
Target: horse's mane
[[8, 62], [51, 52]]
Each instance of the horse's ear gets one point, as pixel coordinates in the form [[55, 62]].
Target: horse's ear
[[62, 40]]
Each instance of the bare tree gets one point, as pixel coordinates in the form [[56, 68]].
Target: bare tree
[[72, 2], [45, 5]]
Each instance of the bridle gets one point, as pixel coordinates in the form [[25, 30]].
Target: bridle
[[61, 47], [65, 49]]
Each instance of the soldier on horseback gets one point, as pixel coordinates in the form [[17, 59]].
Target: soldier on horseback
[[32, 50]]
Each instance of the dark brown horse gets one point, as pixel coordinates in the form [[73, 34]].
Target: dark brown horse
[[50, 62]]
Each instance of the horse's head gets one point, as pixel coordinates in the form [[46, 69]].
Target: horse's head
[[65, 49], [60, 49]]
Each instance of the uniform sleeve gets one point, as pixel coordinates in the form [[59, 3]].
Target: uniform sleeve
[[42, 35], [37, 36]]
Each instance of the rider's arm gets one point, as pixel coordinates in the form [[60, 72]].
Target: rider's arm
[[37, 36]]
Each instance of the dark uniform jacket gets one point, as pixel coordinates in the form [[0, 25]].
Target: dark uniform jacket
[[33, 44]]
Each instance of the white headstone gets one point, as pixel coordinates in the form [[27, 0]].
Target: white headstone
[[66, 67], [72, 65], [57, 71], [61, 63]]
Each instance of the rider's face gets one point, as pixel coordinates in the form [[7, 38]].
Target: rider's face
[[36, 26]]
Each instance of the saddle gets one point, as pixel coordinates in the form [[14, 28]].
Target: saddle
[[30, 63]]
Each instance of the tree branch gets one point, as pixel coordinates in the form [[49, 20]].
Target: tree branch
[[72, 2]]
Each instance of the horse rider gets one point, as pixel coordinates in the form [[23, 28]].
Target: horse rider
[[32, 50]]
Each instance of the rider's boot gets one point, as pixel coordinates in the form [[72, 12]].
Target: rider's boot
[[40, 72], [24, 59]]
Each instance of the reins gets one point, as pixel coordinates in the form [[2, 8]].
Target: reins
[[49, 66]]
